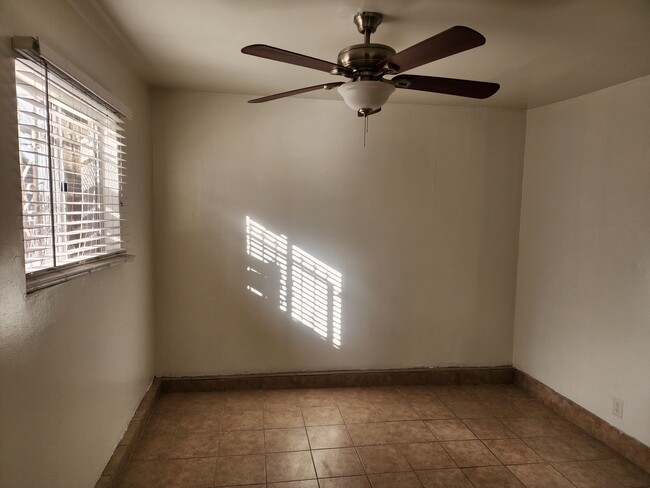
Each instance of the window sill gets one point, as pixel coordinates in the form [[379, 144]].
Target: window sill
[[61, 275]]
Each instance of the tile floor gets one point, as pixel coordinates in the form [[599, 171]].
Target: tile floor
[[437, 436]]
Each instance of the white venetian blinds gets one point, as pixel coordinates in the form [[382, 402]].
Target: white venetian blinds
[[71, 166]]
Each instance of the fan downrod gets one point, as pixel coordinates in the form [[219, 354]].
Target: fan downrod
[[362, 59], [367, 23]]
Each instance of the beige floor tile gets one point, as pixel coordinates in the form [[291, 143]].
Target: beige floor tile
[[195, 445], [433, 410], [533, 408], [489, 429], [589, 447], [317, 397], [512, 451], [427, 455], [468, 409], [410, 431], [280, 399], [282, 418], [282, 440], [243, 420], [154, 447], [444, 478], [350, 396], [292, 484], [289, 466], [453, 393], [169, 401], [539, 476], [529, 426], [407, 436], [345, 482], [553, 449], [337, 462], [492, 477], [585, 474], [625, 472], [263, 485], [502, 408], [321, 416], [449, 430], [163, 422], [328, 436], [406, 479], [391, 412], [199, 421], [383, 459], [470, 453], [370, 434], [359, 414], [189, 473], [143, 474], [241, 442], [240, 470], [243, 399], [563, 428]]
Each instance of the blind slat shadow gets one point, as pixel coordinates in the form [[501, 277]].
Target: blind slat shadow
[[303, 286]]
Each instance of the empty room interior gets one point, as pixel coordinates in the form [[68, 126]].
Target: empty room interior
[[419, 258]]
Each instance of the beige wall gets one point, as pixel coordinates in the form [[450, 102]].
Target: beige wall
[[583, 310], [75, 359], [422, 224]]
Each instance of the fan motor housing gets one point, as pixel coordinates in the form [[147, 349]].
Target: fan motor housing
[[364, 57]]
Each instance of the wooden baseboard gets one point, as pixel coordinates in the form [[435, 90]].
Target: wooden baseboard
[[113, 471], [335, 379], [626, 445]]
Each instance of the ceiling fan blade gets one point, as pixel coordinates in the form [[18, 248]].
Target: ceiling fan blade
[[452, 41], [277, 54], [449, 86], [326, 86]]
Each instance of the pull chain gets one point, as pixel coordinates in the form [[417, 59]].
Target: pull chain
[[365, 129]]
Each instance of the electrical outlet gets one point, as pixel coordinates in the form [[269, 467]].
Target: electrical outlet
[[617, 407]]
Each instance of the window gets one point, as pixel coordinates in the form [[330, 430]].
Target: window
[[71, 167]]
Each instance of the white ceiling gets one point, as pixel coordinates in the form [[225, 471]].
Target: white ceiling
[[540, 51]]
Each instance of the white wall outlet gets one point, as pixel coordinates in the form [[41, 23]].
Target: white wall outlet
[[617, 407]]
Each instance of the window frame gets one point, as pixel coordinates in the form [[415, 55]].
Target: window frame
[[29, 49]]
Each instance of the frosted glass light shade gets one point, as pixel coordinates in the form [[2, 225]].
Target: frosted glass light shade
[[366, 94]]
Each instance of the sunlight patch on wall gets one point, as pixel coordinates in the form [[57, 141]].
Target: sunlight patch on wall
[[304, 286]]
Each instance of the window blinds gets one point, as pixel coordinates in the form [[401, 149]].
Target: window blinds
[[71, 166]]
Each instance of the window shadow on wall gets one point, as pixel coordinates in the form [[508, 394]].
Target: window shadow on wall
[[299, 283]]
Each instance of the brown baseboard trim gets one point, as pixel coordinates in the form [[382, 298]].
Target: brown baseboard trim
[[335, 379], [627, 446], [113, 471]]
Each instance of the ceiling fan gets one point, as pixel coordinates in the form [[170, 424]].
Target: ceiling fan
[[367, 64]]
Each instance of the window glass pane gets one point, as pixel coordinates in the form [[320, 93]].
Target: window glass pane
[[34, 171], [72, 176]]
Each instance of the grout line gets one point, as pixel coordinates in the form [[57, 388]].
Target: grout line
[[509, 399]]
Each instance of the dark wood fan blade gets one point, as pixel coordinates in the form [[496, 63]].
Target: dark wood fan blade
[[452, 41], [277, 54], [326, 86], [449, 86]]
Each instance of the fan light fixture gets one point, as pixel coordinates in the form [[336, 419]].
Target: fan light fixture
[[366, 65], [366, 95]]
